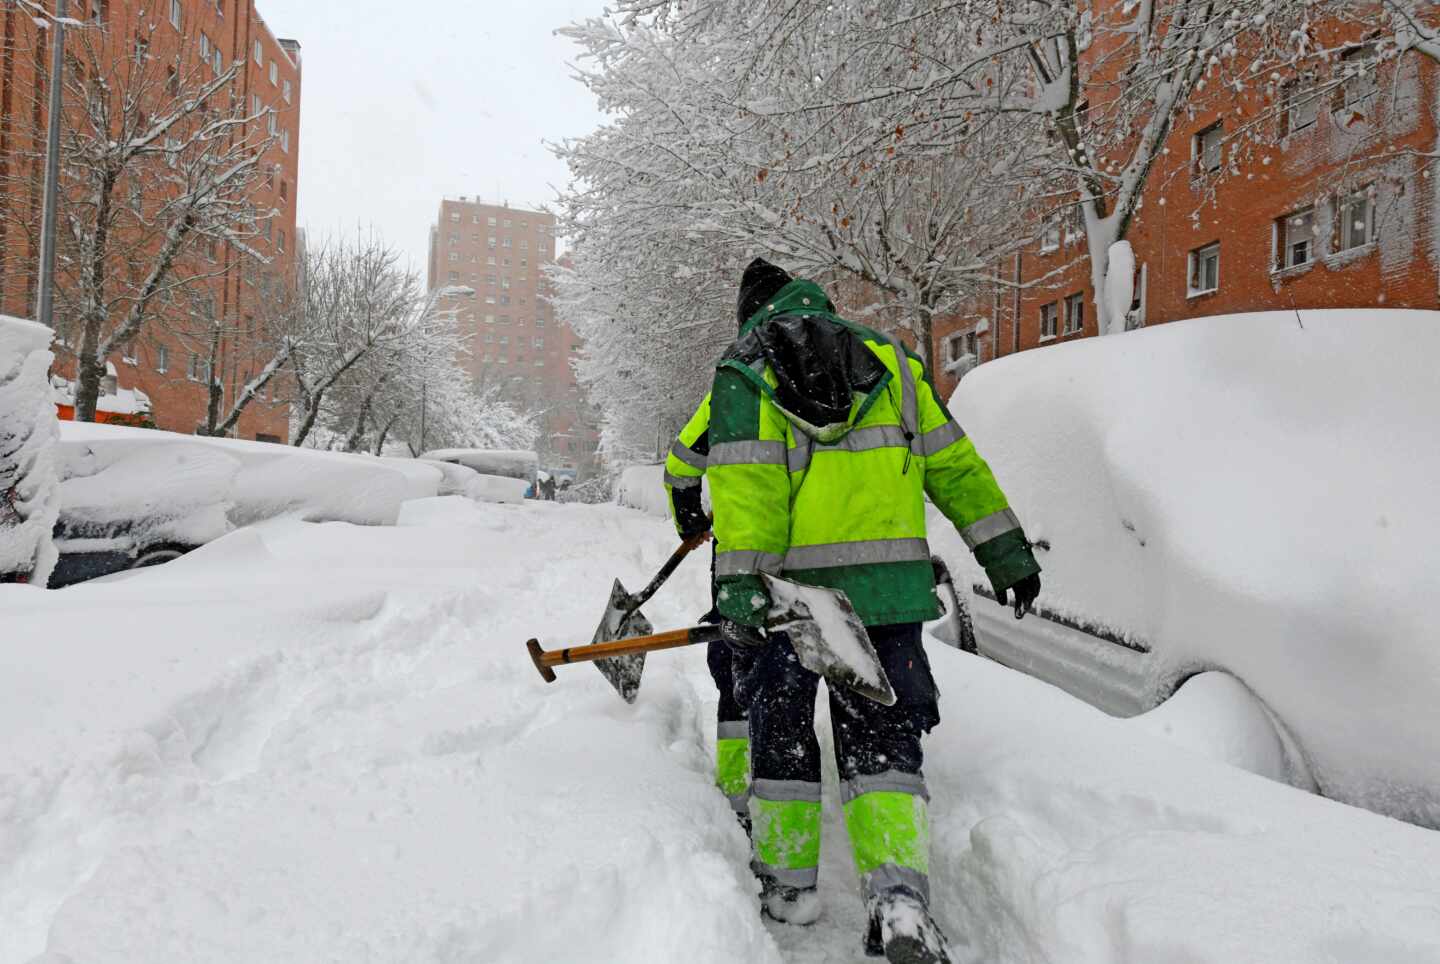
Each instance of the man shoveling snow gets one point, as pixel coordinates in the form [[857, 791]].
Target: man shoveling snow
[[824, 439]]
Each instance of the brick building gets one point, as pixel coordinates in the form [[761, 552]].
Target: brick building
[[1328, 209], [517, 342], [169, 362]]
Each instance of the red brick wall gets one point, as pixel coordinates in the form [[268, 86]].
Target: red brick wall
[[235, 27], [1179, 215]]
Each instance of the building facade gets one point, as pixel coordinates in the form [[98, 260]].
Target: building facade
[[1332, 206], [516, 341], [213, 329]]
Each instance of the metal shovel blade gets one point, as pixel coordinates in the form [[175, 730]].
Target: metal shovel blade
[[622, 621], [828, 636]]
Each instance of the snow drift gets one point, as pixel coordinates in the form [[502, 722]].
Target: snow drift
[[1252, 493]]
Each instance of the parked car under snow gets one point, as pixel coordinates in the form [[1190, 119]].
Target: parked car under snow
[[137, 497], [1250, 494]]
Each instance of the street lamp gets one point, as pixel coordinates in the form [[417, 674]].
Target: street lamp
[[46, 275]]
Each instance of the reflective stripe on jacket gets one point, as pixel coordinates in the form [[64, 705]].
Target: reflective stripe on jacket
[[848, 513]]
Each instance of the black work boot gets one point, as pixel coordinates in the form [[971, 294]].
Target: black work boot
[[902, 931], [789, 905]]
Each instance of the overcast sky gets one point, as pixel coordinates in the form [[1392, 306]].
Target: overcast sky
[[399, 109]]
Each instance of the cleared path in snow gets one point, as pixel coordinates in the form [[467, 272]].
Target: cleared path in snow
[[326, 742]]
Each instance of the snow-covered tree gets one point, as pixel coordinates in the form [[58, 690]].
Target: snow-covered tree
[[160, 157], [368, 355]]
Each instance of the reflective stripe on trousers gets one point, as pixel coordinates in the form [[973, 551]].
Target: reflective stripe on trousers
[[732, 763], [785, 830], [888, 820]]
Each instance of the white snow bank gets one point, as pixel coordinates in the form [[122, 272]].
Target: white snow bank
[[273, 480], [29, 501], [643, 487], [1250, 495], [308, 742], [326, 742]]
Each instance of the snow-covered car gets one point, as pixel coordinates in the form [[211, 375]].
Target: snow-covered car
[[136, 497], [1252, 494], [505, 475]]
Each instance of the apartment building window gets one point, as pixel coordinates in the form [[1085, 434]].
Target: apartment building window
[[1074, 313], [1047, 321], [274, 124], [490, 222], [1354, 214], [212, 250], [1295, 234], [255, 105], [199, 370], [505, 262], [490, 279], [524, 262], [1050, 239], [162, 359], [204, 46], [491, 243], [505, 284], [1205, 269], [1299, 104], [504, 319], [1357, 66], [489, 337], [176, 14], [489, 299], [280, 241], [172, 82], [285, 141], [454, 276], [504, 339], [539, 322], [127, 352], [274, 74], [455, 218], [506, 222], [489, 319], [286, 92], [539, 363], [259, 54], [504, 299], [505, 243], [524, 245], [284, 192], [1206, 148], [537, 342], [141, 52], [454, 255]]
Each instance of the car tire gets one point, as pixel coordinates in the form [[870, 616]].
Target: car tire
[[158, 555]]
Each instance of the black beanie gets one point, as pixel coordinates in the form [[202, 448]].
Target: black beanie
[[761, 282]]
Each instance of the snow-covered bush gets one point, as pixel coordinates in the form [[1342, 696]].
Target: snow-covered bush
[[643, 487], [29, 501]]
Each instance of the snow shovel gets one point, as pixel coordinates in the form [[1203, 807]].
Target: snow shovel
[[623, 620], [820, 624]]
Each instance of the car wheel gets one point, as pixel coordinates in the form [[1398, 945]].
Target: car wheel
[[158, 556]]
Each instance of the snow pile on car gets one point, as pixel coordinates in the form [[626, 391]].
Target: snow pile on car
[[1253, 493], [28, 499], [268, 480], [643, 487]]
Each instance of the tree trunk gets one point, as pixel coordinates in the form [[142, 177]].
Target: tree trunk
[[312, 412], [216, 388], [90, 372], [384, 434]]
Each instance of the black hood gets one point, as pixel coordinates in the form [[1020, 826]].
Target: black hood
[[761, 282], [820, 365]]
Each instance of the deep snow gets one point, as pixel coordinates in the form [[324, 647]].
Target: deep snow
[[326, 742]]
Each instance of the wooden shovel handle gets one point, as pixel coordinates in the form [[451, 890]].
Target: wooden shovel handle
[[673, 639]]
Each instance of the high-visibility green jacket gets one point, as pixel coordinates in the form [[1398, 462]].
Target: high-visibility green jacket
[[840, 501], [684, 468]]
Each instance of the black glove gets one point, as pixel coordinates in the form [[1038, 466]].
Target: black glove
[[1026, 590], [740, 637]]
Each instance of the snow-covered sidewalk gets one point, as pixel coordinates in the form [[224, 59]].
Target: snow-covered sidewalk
[[325, 742]]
